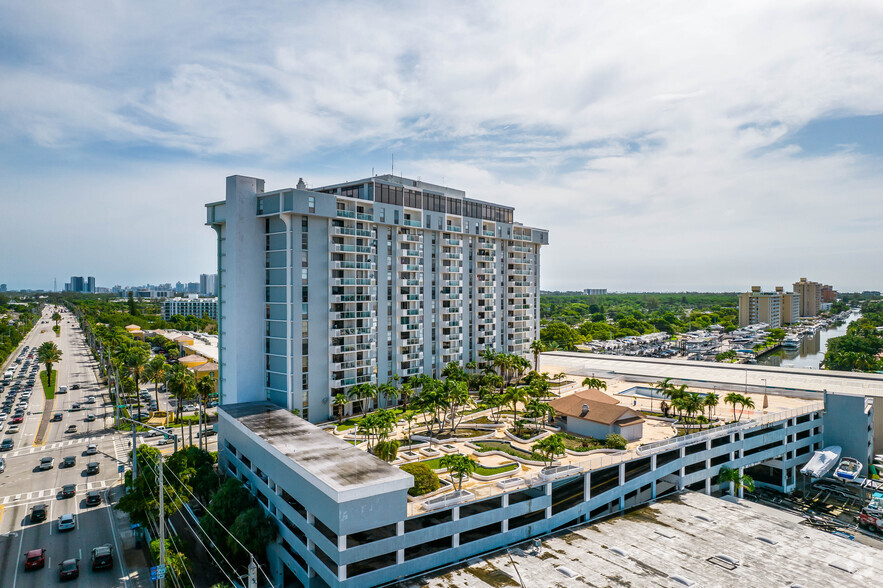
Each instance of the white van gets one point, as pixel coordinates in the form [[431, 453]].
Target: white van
[[62, 389]]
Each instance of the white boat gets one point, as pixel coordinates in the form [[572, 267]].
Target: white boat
[[822, 462], [848, 469], [791, 341]]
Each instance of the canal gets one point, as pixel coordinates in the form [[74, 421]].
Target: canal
[[812, 348]]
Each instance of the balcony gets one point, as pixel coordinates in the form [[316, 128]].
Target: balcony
[[418, 355], [412, 312], [412, 297], [411, 223], [454, 229], [364, 216], [451, 338], [350, 315], [340, 349], [411, 343], [410, 283], [455, 256], [450, 295], [351, 332], [487, 233], [408, 327], [519, 284], [352, 282], [518, 237], [452, 242], [410, 267], [452, 283], [341, 248], [410, 238], [410, 253], [350, 232], [339, 298], [485, 258], [366, 265], [344, 382], [521, 249], [450, 323], [346, 213], [411, 371]]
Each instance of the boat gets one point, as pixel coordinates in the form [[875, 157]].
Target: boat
[[822, 462], [848, 469], [791, 341]]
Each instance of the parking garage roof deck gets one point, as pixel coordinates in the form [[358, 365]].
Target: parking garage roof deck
[[723, 375], [335, 466], [687, 539]]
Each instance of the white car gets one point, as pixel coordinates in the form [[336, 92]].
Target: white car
[[67, 522], [91, 449], [90, 400], [3, 416], [188, 407]]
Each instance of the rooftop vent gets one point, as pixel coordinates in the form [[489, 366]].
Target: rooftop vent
[[704, 518], [619, 551], [301, 185], [767, 540], [724, 561], [683, 580], [567, 572], [844, 564], [585, 410]]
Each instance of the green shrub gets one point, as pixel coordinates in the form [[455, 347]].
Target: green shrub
[[614, 441], [425, 480]]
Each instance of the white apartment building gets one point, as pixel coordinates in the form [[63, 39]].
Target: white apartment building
[[198, 307], [323, 289]]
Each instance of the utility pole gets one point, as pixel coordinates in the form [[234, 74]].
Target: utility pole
[[134, 454], [161, 581], [252, 574]]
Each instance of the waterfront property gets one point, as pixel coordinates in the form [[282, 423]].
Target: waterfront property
[[328, 288]]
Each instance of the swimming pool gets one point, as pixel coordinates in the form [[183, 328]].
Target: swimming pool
[[644, 392]]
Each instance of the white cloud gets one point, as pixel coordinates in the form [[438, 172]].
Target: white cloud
[[640, 133]]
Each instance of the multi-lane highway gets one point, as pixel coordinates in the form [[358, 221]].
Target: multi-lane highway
[[23, 484]]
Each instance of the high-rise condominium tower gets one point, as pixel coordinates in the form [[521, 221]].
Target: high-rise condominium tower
[[323, 289]]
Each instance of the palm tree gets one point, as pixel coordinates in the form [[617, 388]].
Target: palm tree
[[458, 397], [550, 448], [736, 479], [746, 401], [710, 402], [662, 387], [405, 392], [134, 359], [155, 371], [733, 398], [459, 466], [205, 387], [594, 383], [183, 387], [434, 401], [489, 364], [339, 402], [536, 348], [48, 354], [56, 317], [513, 396]]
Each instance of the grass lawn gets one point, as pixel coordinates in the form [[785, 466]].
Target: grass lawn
[[577, 443], [435, 464], [507, 448], [483, 420], [49, 387]]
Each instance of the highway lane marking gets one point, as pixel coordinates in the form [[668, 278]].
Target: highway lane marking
[[2, 508]]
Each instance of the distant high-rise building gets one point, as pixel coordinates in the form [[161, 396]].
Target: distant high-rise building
[[180, 287], [829, 294], [208, 284], [80, 284], [90, 285], [773, 308], [192, 287], [810, 296], [595, 291], [2, 287]]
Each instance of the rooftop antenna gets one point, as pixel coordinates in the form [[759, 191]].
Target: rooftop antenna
[[393, 164]]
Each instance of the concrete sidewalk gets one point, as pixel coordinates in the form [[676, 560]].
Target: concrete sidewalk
[[136, 563]]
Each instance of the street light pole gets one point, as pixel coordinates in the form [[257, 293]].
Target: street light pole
[[161, 582]]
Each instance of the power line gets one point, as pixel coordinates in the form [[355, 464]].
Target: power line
[[199, 536]]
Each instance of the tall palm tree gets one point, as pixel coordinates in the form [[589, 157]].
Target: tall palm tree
[[205, 387], [733, 398], [513, 396], [458, 397], [459, 466], [710, 402], [48, 354], [339, 402], [536, 348], [56, 317], [155, 371], [183, 387], [746, 401], [736, 479], [405, 392], [134, 360]]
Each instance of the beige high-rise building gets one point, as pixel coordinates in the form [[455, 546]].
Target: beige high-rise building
[[810, 296], [773, 308]]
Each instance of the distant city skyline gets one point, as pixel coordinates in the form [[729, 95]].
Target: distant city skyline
[[666, 147]]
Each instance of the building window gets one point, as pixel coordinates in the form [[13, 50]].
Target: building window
[[383, 215], [311, 201]]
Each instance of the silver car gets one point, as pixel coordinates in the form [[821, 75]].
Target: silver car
[[67, 522]]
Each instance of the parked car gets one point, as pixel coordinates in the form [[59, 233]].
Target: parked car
[[62, 390], [102, 557], [69, 569], [93, 498], [90, 400], [2, 465], [7, 444], [67, 522], [47, 463], [38, 513], [11, 430], [17, 420], [35, 559]]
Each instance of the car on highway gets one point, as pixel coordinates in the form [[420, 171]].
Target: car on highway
[[189, 407], [71, 429], [17, 420], [102, 557], [62, 390], [38, 513], [91, 449], [75, 387], [90, 400], [47, 463], [68, 490], [206, 433], [58, 416], [69, 461], [7, 444], [67, 522], [93, 467], [2, 465], [35, 559], [75, 407], [89, 418], [11, 430], [69, 569], [93, 498]]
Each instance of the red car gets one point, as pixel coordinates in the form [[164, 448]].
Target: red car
[[35, 559], [17, 420]]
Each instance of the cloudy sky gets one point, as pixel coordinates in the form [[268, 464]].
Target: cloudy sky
[[686, 146]]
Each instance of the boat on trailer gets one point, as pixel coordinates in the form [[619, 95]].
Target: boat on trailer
[[849, 469], [822, 462]]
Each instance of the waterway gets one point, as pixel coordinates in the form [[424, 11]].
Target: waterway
[[812, 348]]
